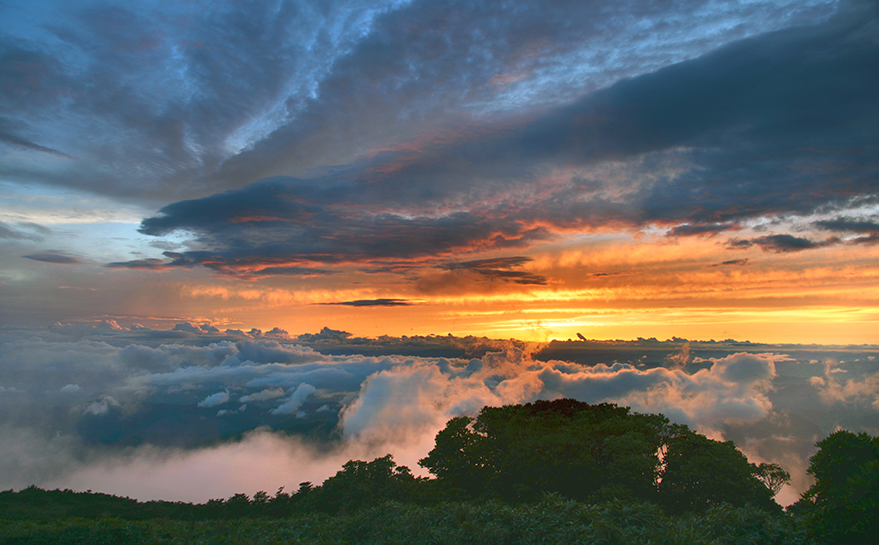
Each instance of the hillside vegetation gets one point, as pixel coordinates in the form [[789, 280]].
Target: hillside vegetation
[[546, 472]]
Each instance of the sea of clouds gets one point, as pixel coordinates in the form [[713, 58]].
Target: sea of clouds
[[193, 414]]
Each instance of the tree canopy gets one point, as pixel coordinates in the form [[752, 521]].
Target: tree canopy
[[592, 453], [843, 504]]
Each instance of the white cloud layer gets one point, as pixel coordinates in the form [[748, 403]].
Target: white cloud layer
[[132, 419]]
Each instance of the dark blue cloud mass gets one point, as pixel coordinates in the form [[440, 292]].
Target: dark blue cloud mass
[[168, 100], [784, 123]]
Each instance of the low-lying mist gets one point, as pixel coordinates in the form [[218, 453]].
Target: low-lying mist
[[194, 414]]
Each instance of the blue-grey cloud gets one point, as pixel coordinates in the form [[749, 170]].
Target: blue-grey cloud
[[742, 124], [867, 229], [710, 229], [226, 94], [8, 135], [780, 244], [54, 256], [23, 231]]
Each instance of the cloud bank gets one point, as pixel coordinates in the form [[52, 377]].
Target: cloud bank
[[179, 421], [701, 147]]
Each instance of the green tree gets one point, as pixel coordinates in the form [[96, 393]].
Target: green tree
[[773, 476], [843, 504], [517, 453], [457, 459], [700, 472], [590, 453], [363, 484]]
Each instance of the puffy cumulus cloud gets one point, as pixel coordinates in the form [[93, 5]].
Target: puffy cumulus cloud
[[263, 395], [418, 398], [295, 400], [197, 329], [745, 368], [412, 401], [166, 357], [213, 400], [733, 389], [835, 386], [275, 352], [40, 366], [102, 406]]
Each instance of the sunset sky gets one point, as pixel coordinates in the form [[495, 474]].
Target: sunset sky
[[228, 228], [511, 169]]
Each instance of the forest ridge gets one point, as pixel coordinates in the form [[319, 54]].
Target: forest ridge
[[594, 460]]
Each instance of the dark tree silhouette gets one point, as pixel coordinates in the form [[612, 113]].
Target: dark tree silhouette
[[700, 472], [591, 453], [773, 476], [363, 484], [843, 504]]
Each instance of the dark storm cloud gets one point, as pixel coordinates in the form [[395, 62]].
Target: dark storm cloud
[[868, 229], [781, 243], [744, 121], [28, 80], [850, 225], [790, 243], [499, 269], [731, 262], [58, 258], [246, 268], [286, 220], [374, 303], [738, 244], [177, 260], [212, 96], [711, 229]]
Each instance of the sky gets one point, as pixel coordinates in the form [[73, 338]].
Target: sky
[[526, 170], [271, 220]]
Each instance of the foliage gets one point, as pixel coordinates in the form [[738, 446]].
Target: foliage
[[843, 504], [593, 453], [551, 520], [773, 476], [547, 472], [581, 451], [363, 484], [700, 472]]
